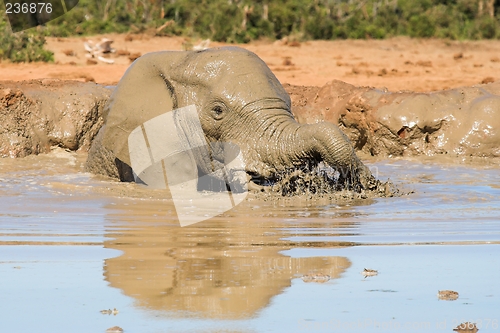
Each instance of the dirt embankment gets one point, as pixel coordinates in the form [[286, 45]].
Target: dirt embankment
[[465, 121], [39, 114], [460, 122]]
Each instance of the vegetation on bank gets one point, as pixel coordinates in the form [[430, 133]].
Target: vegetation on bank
[[24, 46], [245, 20]]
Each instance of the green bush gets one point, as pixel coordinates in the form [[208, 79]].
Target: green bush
[[25, 46], [421, 26], [487, 28], [221, 20]]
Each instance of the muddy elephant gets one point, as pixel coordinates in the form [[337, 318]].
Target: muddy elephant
[[238, 101]]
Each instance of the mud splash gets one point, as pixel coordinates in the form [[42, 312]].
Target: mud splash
[[325, 184]]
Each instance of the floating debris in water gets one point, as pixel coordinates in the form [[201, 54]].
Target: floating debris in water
[[114, 329], [466, 327], [369, 272], [316, 277], [447, 295], [114, 312]]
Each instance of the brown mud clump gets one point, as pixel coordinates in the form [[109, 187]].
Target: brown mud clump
[[466, 327], [447, 295], [37, 115]]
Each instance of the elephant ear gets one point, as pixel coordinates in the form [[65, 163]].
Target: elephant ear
[[143, 93]]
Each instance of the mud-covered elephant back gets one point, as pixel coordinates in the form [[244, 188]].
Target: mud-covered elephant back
[[142, 94]]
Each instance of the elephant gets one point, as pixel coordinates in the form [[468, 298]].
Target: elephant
[[237, 101]]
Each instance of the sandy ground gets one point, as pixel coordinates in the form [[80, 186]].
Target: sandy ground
[[396, 64]]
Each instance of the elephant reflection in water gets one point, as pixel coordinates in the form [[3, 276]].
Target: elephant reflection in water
[[216, 269]]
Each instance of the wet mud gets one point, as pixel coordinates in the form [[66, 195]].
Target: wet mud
[[462, 122], [324, 184], [457, 122], [39, 114]]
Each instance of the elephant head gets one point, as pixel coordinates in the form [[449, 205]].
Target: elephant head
[[238, 100]]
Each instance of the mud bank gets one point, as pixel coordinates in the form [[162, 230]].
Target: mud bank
[[38, 114], [457, 122]]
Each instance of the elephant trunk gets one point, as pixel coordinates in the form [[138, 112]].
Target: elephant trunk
[[291, 145], [336, 150]]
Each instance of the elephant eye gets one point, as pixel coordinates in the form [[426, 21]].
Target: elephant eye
[[217, 110]]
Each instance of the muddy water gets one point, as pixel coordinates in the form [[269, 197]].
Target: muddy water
[[72, 245]]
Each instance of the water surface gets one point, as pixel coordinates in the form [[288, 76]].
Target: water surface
[[72, 244]]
